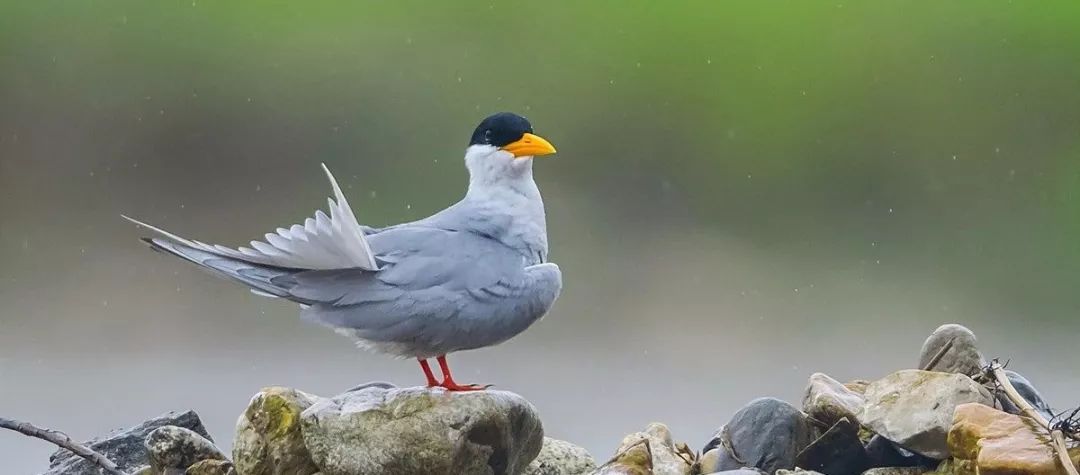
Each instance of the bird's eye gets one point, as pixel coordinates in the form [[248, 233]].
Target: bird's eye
[[487, 136]]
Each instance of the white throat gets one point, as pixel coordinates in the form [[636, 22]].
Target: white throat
[[502, 193]]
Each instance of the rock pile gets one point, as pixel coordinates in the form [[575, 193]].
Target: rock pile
[[938, 419]]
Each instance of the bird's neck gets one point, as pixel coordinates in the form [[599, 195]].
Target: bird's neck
[[510, 210]]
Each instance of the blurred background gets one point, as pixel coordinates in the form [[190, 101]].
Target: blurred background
[[746, 193]]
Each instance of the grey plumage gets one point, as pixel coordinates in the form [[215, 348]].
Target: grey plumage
[[470, 276]]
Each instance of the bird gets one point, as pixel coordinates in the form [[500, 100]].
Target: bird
[[470, 276]]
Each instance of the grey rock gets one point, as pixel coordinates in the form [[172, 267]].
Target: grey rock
[[896, 471], [739, 471], [797, 471], [635, 459], [172, 447], [268, 439], [885, 453], [828, 400], [558, 457], [1028, 392], [915, 408], [378, 430], [961, 357], [767, 434], [124, 447], [668, 458], [838, 451], [211, 467]]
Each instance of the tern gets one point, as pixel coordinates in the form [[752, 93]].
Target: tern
[[470, 276]]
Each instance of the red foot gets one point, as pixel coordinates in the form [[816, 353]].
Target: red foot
[[450, 385], [448, 382]]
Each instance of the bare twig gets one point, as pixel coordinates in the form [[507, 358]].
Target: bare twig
[[61, 439], [1062, 451], [998, 370], [940, 354]]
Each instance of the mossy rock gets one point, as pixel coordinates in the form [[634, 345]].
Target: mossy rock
[[268, 439]]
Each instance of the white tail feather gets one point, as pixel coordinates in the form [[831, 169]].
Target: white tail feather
[[323, 242]]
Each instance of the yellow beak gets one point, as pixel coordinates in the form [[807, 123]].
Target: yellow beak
[[530, 145]]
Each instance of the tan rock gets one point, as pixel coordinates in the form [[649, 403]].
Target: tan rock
[[857, 386], [635, 459], [668, 458], [211, 467], [1002, 444]]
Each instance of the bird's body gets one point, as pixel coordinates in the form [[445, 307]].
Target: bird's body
[[473, 275]]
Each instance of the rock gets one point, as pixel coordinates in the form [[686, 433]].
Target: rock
[[961, 357], [172, 447], [883, 452], [125, 447], [633, 460], [767, 434], [211, 467], [709, 462], [857, 386], [1000, 443], [827, 400], [739, 471], [914, 408], [955, 467], [838, 451], [896, 471], [268, 440], [1028, 392], [668, 458], [559, 457], [797, 471], [379, 430]]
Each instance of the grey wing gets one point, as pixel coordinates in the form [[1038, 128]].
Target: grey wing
[[436, 291]]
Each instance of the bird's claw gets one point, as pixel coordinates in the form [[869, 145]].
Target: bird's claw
[[455, 387]]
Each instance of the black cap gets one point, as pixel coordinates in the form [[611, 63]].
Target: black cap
[[501, 129]]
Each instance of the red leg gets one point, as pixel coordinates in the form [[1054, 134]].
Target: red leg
[[431, 381], [448, 381]]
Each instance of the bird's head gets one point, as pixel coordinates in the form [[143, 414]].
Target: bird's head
[[503, 146]]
